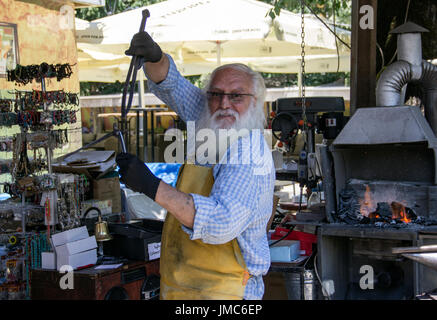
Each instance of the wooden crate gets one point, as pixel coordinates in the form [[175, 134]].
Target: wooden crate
[[92, 284]]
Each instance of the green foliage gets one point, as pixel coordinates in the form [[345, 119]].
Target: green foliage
[[101, 88], [338, 11], [334, 10], [280, 80], [112, 7]]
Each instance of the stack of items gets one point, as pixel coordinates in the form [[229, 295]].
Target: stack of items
[[99, 167], [73, 248], [306, 240], [285, 251]]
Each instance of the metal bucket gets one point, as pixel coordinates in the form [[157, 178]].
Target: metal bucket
[[293, 285], [301, 285]]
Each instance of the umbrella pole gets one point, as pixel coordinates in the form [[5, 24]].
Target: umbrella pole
[[141, 104], [141, 90], [219, 58]]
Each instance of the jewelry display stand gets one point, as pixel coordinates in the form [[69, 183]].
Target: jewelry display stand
[[37, 113]]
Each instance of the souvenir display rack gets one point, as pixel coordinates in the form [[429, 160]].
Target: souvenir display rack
[[41, 202]]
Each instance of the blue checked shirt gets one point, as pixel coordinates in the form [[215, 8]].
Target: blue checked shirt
[[241, 199]]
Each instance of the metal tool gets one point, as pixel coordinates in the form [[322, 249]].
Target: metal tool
[[135, 64], [115, 132], [426, 254]]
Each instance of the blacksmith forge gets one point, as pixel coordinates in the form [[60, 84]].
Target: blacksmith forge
[[386, 153]]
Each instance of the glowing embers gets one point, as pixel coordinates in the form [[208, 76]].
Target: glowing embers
[[385, 211], [392, 213], [359, 204]]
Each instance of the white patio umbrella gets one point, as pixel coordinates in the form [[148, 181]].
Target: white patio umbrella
[[200, 35]]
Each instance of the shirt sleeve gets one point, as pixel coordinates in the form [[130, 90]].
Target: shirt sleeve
[[179, 94]]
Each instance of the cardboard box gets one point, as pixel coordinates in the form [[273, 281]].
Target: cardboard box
[[116, 205], [285, 251], [77, 260], [58, 239], [78, 246], [108, 187], [48, 260]]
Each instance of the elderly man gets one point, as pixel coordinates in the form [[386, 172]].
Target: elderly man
[[214, 241]]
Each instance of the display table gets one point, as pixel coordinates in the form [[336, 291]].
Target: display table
[[135, 280]]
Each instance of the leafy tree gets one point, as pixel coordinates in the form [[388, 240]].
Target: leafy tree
[[112, 7], [337, 11]]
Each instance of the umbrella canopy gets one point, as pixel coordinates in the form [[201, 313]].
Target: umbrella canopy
[[201, 34]]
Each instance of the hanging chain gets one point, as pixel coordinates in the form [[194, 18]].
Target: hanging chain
[[302, 45]]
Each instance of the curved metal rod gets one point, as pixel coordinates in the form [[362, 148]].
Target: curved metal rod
[[132, 73]]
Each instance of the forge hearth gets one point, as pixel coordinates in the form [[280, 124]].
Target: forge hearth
[[381, 194], [386, 204], [392, 151]]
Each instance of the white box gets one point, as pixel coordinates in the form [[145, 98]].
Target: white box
[[58, 239], [285, 251], [77, 260], [48, 260], [78, 246]]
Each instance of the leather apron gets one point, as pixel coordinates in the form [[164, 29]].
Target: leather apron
[[192, 269]]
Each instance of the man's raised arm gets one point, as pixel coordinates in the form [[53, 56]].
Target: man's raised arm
[[157, 64]]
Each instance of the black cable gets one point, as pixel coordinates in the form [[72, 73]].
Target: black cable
[[292, 227], [326, 26], [288, 233], [382, 57]]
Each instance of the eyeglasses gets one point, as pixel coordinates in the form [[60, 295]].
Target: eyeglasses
[[234, 98]]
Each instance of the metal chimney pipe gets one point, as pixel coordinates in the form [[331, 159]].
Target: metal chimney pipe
[[429, 82], [409, 67], [409, 47]]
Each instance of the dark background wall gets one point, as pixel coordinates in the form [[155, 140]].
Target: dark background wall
[[392, 13]]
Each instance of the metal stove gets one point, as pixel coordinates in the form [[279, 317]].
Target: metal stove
[[390, 152]]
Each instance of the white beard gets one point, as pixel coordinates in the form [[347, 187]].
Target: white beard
[[252, 119]]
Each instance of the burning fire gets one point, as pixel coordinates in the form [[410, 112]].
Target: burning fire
[[368, 209], [399, 212], [367, 206]]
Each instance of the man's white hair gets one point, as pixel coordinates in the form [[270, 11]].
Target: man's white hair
[[253, 119], [257, 118]]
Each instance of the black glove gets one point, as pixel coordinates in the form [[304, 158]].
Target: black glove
[[142, 45], [135, 174]]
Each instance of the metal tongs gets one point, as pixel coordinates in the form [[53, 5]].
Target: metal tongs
[[135, 64], [115, 132]]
